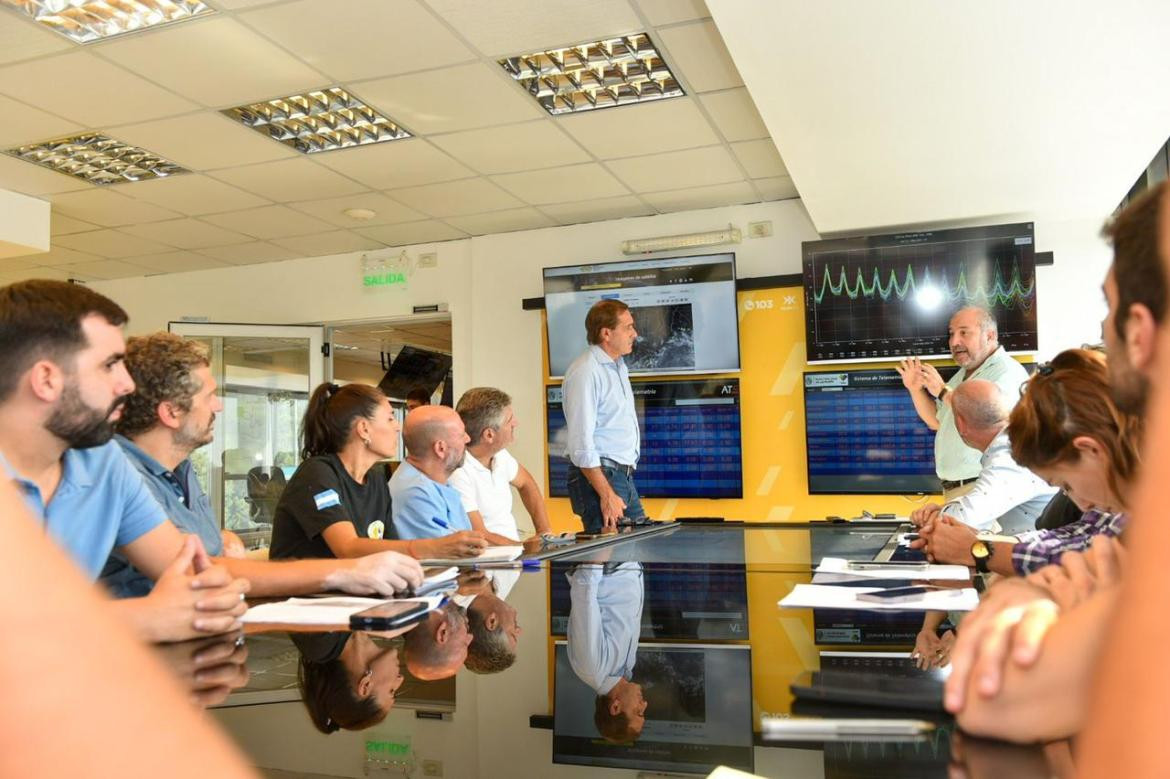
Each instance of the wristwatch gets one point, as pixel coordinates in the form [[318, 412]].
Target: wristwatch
[[942, 393], [982, 550]]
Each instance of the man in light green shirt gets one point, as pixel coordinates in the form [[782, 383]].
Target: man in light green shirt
[[974, 343]]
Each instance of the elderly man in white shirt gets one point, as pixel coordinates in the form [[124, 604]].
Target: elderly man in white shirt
[[488, 474], [1005, 496]]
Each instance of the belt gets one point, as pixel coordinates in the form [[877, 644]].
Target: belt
[[950, 485], [628, 470]]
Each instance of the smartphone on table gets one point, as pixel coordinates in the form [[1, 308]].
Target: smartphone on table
[[388, 615], [903, 594]]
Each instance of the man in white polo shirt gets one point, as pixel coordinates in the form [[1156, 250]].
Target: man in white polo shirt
[[488, 474]]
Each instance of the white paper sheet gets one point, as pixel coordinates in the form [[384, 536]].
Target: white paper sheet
[[823, 596], [954, 573], [493, 554], [323, 611]]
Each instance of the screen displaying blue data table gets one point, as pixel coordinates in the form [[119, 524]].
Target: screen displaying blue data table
[[691, 443], [864, 436]]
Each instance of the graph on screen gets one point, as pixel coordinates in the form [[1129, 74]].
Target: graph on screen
[[893, 295]]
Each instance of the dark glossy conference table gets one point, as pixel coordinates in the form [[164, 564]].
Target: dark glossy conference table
[[686, 616]]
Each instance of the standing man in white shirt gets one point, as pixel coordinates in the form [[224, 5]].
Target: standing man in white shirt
[[488, 474], [604, 440], [974, 344]]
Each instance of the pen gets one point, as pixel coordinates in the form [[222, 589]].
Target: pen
[[440, 523], [527, 565]]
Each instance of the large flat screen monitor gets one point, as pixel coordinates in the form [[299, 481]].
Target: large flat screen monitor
[[684, 309], [863, 436], [698, 712], [415, 368], [886, 296], [691, 445]]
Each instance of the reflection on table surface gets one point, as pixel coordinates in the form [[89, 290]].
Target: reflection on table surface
[[660, 651]]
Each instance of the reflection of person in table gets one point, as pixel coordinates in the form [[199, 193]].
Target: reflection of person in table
[[493, 624], [605, 618], [438, 645], [346, 679]]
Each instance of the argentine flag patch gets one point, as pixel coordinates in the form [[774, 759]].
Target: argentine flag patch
[[326, 499]]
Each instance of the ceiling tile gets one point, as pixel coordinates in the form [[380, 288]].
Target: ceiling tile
[[734, 113], [287, 180], [455, 198], [176, 262], [702, 197], [413, 232], [660, 12], [502, 221], [59, 224], [560, 185], [13, 276], [28, 262], [104, 269], [395, 164], [110, 243], [31, 179], [204, 141], [598, 210], [268, 222], [504, 27], [22, 38], [351, 43], [217, 62], [759, 158], [59, 255], [24, 124], [108, 208], [248, 253], [187, 234], [514, 147], [88, 90], [450, 99], [335, 242], [677, 169], [698, 56], [194, 195], [779, 188], [627, 131], [386, 211]]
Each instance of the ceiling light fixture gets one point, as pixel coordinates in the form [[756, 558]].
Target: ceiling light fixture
[[318, 121], [360, 214], [85, 21], [602, 74], [98, 159], [729, 234]]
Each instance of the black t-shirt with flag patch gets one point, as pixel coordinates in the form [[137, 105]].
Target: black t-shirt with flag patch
[[321, 493]]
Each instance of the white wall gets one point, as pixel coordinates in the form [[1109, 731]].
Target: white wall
[[484, 280]]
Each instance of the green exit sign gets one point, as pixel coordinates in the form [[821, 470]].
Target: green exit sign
[[387, 279], [387, 748]]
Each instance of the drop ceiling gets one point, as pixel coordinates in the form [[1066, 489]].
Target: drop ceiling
[[484, 158]]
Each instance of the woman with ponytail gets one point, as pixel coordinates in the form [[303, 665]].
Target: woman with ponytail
[[337, 503]]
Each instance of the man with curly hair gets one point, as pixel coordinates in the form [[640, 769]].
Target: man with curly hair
[[170, 414]]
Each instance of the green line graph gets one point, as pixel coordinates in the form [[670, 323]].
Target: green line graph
[[1002, 291]]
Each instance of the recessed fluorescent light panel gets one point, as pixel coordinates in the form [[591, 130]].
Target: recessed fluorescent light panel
[[602, 74], [98, 159], [85, 21], [318, 121]]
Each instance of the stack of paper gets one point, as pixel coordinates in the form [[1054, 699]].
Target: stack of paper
[[493, 554], [954, 573], [323, 611], [820, 596]]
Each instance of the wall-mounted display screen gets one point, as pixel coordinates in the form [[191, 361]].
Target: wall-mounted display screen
[[863, 435], [691, 445], [683, 307], [415, 368], [887, 296]]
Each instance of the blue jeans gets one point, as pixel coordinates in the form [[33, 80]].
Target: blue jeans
[[586, 503]]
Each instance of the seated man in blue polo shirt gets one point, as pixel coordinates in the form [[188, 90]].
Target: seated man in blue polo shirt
[[63, 385], [170, 414], [422, 504]]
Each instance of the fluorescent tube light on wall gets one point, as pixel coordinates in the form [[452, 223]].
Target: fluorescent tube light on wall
[[729, 234]]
